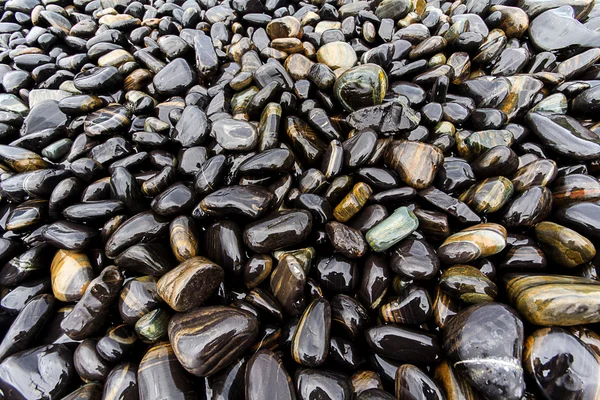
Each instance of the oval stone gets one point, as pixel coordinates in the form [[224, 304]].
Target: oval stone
[[208, 339]]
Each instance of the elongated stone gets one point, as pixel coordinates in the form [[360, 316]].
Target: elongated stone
[[392, 230], [468, 284], [352, 202], [280, 229], [565, 135], [565, 246], [554, 299], [489, 195], [28, 324], [90, 312], [287, 284], [208, 339], [477, 241], [310, 344], [246, 200], [403, 344]]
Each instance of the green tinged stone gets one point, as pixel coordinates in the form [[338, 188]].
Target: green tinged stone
[[392, 229]]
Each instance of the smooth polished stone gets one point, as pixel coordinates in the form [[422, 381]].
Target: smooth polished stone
[[403, 344], [246, 200], [26, 375], [91, 311], [554, 357], [141, 228], [553, 299], [528, 207], [121, 382], [323, 384], [468, 284], [88, 363], [266, 378], [565, 135], [472, 243], [71, 273], [287, 283], [485, 343], [489, 195], [310, 343], [361, 86], [27, 325], [401, 223], [413, 307], [412, 382], [160, 375], [565, 246], [414, 259], [416, 163], [280, 229], [207, 339]]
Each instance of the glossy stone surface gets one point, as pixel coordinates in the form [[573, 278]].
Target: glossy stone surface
[[280, 229], [92, 309], [401, 223], [548, 300], [416, 163], [566, 247], [191, 332], [310, 344], [361, 86], [554, 346], [266, 377], [403, 344], [485, 343], [477, 241], [48, 382], [161, 375]]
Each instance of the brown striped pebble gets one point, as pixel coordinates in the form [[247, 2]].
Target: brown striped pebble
[[554, 299], [287, 284], [477, 241], [161, 376], [489, 195], [573, 188], [208, 339], [455, 386], [121, 383], [190, 284], [352, 202], [184, 238], [416, 163], [71, 273], [137, 298], [563, 245]]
